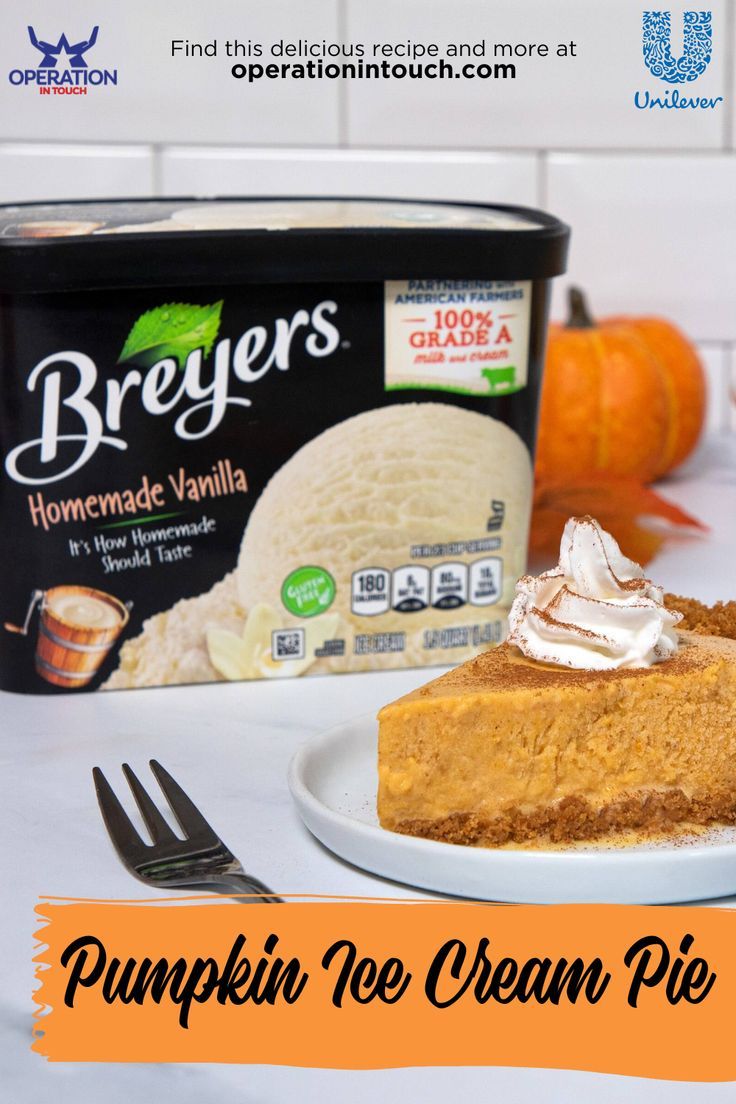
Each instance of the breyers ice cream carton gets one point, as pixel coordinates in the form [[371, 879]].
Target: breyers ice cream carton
[[252, 439]]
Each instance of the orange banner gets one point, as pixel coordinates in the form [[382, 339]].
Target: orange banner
[[371, 984]]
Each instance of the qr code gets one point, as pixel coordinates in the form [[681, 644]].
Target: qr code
[[287, 644]]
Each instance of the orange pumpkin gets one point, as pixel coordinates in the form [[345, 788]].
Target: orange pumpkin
[[622, 396]]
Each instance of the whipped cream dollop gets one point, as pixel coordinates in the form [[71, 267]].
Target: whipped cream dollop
[[595, 610]]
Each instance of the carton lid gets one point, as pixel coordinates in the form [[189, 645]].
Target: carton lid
[[48, 247]]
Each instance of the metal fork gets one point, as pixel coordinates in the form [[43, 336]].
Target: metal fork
[[201, 860]]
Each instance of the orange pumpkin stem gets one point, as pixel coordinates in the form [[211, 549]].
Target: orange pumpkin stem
[[580, 317]]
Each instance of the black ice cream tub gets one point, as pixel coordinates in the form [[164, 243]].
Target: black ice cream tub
[[264, 438]]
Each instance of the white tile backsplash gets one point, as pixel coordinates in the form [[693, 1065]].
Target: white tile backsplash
[[585, 101], [159, 98], [36, 172], [716, 364], [730, 136], [651, 235], [479, 177]]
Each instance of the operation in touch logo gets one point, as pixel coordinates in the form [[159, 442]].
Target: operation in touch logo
[[697, 48], [63, 68]]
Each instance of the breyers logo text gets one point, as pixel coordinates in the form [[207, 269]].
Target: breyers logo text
[[67, 380], [697, 47], [74, 77]]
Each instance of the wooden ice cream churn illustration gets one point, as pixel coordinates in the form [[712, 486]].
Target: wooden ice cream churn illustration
[[77, 627]]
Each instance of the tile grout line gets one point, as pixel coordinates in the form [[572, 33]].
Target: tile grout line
[[342, 86], [727, 383], [723, 385], [542, 179], [157, 151], [722, 395], [725, 389], [729, 78], [599, 151]]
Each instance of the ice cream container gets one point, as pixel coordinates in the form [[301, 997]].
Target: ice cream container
[[264, 438]]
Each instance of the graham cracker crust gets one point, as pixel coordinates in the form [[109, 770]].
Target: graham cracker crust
[[717, 620], [574, 819]]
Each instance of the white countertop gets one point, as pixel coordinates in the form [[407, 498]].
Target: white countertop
[[230, 746]]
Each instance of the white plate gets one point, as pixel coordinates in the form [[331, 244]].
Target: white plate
[[333, 781]]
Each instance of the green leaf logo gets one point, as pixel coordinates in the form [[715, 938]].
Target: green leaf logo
[[173, 330]]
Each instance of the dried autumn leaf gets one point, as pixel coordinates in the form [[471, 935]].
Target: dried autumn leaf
[[618, 504]]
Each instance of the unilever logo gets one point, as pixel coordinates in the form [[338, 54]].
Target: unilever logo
[[74, 77], [697, 43], [697, 47]]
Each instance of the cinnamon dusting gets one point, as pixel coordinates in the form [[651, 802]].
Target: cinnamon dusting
[[577, 630], [506, 668]]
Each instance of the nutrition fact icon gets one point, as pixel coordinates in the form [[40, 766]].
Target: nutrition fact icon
[[449, 585], [412, 588], [486, 577], [371, 591]]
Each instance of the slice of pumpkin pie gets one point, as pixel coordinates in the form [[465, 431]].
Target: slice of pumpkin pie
[[597, 716]]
